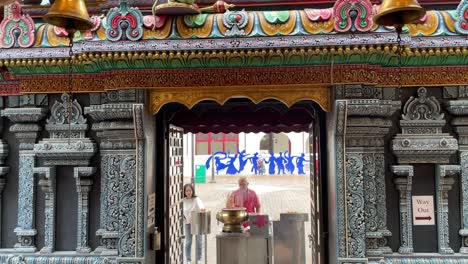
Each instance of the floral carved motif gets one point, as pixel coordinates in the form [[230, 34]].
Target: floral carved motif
[[124, 23], [16, 29], [461, 23], [286, 94], [353, 15]]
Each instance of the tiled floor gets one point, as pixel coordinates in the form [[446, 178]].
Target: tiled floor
[[288, 193]]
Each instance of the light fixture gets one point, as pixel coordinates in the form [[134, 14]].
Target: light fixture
[[73, 16], [397, 13]]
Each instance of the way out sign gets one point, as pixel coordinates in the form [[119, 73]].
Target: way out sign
[[423, 210]]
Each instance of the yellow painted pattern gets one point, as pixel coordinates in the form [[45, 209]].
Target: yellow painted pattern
[[278, 29], [316, 27], [248, 28], [101, 33], [287, 94], [160, 33], [55, 40], [428, 28], [39, 36], [199, 32], [449, 23]]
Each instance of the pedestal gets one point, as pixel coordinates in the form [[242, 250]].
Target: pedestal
[[289, 239], [240, 248]]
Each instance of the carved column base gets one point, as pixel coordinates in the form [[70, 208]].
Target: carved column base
[[446, 251], [372, 244], [464, 234], [405, 250], [25, 240], [83, 250], [108, 242], [46, 250], [383, 242], [377, 243]]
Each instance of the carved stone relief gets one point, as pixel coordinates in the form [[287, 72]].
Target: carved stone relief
[[404, 185], [459, 108], [422, 139], [26, 131], [366, 123], [67, 145], [444, 183], [116, 126], [4, 150]]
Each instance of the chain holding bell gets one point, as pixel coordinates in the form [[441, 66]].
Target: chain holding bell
[[71, 15], [399, 12]]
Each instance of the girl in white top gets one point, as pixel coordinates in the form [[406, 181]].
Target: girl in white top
[[191, 203]]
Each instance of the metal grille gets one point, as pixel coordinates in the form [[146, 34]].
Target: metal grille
[[175, 194], [314, 239]]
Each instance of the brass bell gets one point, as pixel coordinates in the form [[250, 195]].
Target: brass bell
[[398, 12], [71, 15], [6, 2]]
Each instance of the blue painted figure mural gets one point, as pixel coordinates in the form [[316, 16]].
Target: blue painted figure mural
[[289, 162], [271, 164], [231, 166], [300, 163], [254, 160], [280, 163], [236, 163], [243, 159]]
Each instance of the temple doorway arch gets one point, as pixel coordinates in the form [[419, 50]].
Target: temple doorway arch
[[231, 116]]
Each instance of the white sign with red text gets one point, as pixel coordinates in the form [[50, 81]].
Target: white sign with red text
[[423, 210]]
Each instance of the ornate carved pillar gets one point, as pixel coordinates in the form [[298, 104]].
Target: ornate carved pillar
[[47, 183], [26, 131], [115, 130], [404, 186], [367, 125], [421, 140], [83, 186], [67, 145], [3, 169], [443, 185], [459, 108]]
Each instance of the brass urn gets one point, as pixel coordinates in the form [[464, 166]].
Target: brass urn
[[232, 218]]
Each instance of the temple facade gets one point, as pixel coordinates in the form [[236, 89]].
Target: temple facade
[[102, 186]]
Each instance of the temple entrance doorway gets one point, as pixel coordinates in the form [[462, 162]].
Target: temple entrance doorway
[[211, 146]]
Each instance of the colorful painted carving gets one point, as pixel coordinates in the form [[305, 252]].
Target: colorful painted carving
[[461, 17], [124, 23], [16, 29], [353, 15]]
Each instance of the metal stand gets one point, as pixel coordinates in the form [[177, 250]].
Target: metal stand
[[206, 250], [201, 225]]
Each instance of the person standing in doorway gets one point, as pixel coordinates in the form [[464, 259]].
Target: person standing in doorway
[[191, 203], [244, 197]]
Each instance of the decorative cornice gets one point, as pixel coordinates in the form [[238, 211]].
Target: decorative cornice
[[109, 112], [289, 94], [306, 76]]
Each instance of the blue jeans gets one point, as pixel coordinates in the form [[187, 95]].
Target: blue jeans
[[188, 244]]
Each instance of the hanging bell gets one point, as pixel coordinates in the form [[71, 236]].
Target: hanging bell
[[6, 2], [398, 12], [71, 15]]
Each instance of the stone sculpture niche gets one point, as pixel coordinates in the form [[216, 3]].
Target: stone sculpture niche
[[423, 141]]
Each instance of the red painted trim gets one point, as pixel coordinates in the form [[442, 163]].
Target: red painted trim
[[211, 140]]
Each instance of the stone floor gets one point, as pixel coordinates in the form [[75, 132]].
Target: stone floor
[[287, 193]]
